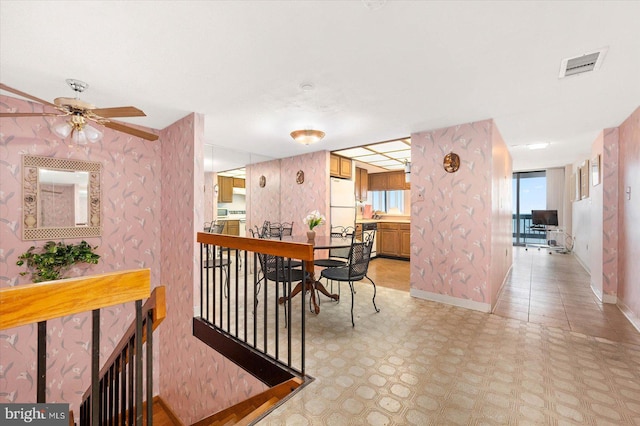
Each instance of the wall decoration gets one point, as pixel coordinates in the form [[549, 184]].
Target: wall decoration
[[595, 170], [584, 180], [263, 181], [300, 177], [451, 162]]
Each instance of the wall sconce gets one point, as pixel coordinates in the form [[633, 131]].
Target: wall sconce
[[407, 171]]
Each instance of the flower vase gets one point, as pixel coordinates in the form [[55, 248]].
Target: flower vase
[[311, 235]]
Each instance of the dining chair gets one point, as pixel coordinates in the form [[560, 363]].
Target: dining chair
[[337, 256], [355, 270], [275, 230], [286, 229], [218, 261], [276, 269]]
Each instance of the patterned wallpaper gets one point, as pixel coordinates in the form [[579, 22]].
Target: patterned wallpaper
[[195, 381], [130, 239], [629, 214], [57, 206], [284, 200], [451, 214], [609, 171]]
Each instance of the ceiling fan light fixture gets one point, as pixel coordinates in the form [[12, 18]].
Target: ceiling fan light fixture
[[92, 134], [307, 136], [63, 129]]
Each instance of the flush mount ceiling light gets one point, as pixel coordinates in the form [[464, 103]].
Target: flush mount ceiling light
[[307, 137], [542, 145]]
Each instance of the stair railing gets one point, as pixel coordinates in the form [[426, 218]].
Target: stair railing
[[40, 302]]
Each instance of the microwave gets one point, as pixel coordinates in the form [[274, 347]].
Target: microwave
[[223, 212]]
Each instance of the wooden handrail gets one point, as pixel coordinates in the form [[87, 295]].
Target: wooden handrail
[[301, 251], [157, 304], [31, 303]]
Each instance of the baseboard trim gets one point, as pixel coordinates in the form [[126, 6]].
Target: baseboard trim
[[499, 293], [168, 410], [633, 318], [450, 300]]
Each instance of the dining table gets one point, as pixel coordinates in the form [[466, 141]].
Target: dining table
[[311, 284]]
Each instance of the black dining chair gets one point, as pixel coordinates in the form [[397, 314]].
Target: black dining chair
[[279, 270], [355, 269], [274, 230], [218, 261], [286, 229], [337, 256]]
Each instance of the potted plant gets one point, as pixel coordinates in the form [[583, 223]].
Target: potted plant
[[53, 260], [312, 220]]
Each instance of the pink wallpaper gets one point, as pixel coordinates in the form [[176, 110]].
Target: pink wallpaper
[[452, 213], [284, 200], [195, 381], [130, 239], [594, 205], [263, 203], [609, 170], [298, 200], [629, 214], [57, 206]]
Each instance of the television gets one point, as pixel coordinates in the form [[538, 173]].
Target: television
[[544, 217]]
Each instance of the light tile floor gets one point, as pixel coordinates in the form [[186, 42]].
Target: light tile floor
[[555, 290], [424, 363]]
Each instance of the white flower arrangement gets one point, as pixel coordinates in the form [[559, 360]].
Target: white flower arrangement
[[313, 219]]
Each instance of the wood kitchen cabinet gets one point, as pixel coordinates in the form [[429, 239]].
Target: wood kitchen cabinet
[[405, 240], [396, 180], [225, 189], [394, 239], [340, 167], [232, 227], [378, 182], [238, 183], [362, 184]]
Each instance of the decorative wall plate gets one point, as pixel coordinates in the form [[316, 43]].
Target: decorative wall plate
[[262, 181], [451, 162], [300, 177]]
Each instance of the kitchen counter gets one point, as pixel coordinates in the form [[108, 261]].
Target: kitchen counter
[[383, 220]]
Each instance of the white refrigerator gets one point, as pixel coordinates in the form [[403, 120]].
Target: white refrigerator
[[343, 202]]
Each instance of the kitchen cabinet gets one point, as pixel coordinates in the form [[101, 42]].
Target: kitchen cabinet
[[388, 181], [362, 184], [394, 239], [238, 183], [225, 189], [340, 167], [232, 227], [405, 240]]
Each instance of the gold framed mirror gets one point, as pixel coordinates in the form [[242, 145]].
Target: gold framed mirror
[[61, 198]]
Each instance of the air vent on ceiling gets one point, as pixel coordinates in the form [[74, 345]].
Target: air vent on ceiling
[[585, 63]]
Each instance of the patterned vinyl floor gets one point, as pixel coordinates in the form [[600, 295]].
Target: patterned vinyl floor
[[424, 363]]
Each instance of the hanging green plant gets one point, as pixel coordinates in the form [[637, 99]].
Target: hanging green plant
[[53, 260]]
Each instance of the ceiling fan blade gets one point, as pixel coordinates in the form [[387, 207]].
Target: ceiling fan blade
[[130, 130], [26, 95], [126, 111], [28, 114]]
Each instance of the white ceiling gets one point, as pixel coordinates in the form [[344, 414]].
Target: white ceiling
[[380, 70]]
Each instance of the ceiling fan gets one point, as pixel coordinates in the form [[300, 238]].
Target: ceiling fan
[[80, 113]]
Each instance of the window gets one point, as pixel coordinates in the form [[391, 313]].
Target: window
[[386, 200], [529, 193]]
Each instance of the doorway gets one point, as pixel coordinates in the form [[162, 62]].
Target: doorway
[[529, 193]]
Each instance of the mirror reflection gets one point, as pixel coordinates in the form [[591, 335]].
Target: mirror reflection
[[61, 198]]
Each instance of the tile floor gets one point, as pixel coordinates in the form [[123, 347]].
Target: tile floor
[[424, 363], [554, 290]]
